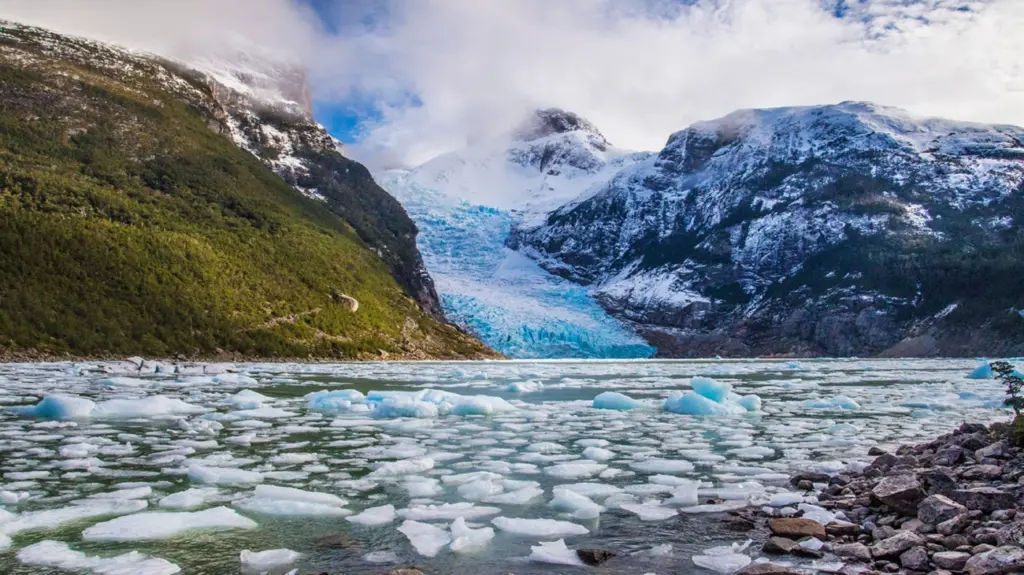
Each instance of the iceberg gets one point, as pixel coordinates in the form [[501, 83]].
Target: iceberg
[[374, 516], [58, 406], [983, 371], [578, 506], [615, 400], [338, 400], [710, 397]]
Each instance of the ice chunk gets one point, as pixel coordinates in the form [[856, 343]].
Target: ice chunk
[[289, 508], [152, 406], [750, 402], [447, 511], [539, 528], [428, 403], [668, 466], [375, 516], [837, 402], [122, 382], [785, 499], [555, 553], [691, 403], [649, 512], [516, 497], [598, 454], [592, 490], [983, 371], [716, 391], [524, 386], [222, 475], [58, 555], [153, 525], [292, 494], [264, 560], [615, 400], [5, 542], [337, 400], [381, 557], [467, 540], [575, 469], [188, 499], [248, 399], [477, 490], [579, 506], [725, 564], [401, 467], [426, 538], [684, 495], [52, 518], [419, 487], [58, 406]]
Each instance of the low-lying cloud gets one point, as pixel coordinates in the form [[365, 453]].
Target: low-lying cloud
[[439, 73]]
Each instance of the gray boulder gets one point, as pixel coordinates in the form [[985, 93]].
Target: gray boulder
[[935, 509]]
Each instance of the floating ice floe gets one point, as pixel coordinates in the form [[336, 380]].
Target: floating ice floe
[[576, 505], [837, 402], [222, 475], [288, 501], [58, 555], [540, 528], [53, 518], [264, 560], [154, 525], [667, 466], [188, 499], [710, 397], [374, 516], [616, 401], [524, 387], [468, 540], [427, 539], [448, 511], [58, 406], [248, 399], [724, 560], [555, 553]]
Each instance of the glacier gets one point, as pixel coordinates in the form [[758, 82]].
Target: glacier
[[466, 204]]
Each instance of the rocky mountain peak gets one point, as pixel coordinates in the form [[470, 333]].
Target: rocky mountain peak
[[551, 121]]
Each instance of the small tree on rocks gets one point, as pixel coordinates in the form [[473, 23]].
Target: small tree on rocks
[[1007, 374]]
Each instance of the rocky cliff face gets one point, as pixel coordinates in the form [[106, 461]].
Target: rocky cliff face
[[836, 230]]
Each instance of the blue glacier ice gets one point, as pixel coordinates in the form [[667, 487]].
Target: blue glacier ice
[[615, 400], [499, 295]]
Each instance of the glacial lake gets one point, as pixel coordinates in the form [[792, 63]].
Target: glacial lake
[[90, 469]]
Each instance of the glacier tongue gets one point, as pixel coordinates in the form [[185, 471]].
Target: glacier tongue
[[503, 297]]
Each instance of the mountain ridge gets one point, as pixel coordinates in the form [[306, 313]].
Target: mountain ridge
[[703, 245], [150, 210]]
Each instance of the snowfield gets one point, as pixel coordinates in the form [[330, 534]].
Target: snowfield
[[111, 468]]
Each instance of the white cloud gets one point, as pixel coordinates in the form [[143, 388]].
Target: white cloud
[[476, 66]]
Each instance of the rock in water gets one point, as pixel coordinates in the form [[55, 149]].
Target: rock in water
[[901, 492], [935, 509], [796, 528], [779, 546], [594, 557]]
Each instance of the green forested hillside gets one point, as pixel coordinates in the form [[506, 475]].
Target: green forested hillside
[[129, 226]]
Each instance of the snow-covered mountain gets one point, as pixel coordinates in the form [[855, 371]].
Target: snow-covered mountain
[[841, 230], [466, 203]]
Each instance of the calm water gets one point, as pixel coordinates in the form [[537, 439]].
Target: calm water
[[281, 441]]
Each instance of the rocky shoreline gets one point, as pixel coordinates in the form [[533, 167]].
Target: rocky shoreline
[[952, 505]]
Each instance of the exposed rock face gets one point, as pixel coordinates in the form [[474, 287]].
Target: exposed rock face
[[789, 231]]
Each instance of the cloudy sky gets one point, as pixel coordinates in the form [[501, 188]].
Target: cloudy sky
[[405, 80]]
